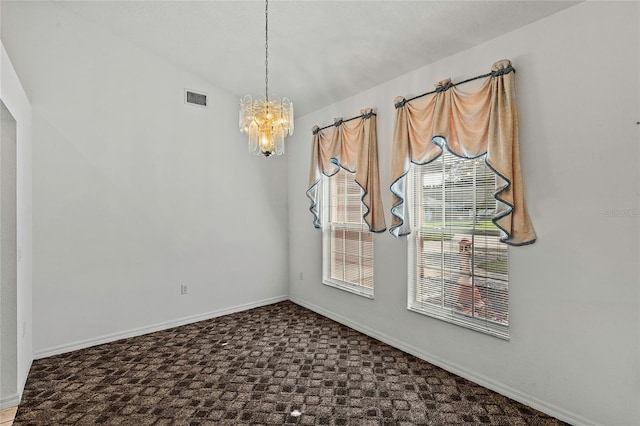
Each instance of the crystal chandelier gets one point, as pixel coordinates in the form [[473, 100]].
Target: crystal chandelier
[[266, 120]]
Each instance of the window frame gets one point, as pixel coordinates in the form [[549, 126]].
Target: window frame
[[448, 235], [329, 225]]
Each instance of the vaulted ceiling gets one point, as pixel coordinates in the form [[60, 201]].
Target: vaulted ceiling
[[319, 51]]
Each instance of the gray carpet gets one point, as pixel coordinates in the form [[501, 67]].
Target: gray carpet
[[257, 368]]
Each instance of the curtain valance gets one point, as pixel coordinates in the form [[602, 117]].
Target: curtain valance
[[469, 125], [352, 145]]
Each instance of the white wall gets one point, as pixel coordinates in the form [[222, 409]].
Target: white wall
[[8, 256], [574, 298], [15, 99], [133, 196], [134, 192]]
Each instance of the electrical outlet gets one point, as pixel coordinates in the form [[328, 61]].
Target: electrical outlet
[[184, 289], [301, 276]]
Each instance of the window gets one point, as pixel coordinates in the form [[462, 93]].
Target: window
[[458, 268], [347, 242]]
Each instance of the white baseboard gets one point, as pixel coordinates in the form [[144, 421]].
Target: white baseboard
[[25, 377], [9, 401], [485, 381], [57, 350], [13, 400]]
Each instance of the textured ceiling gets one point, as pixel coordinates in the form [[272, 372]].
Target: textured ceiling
[[319, 51]]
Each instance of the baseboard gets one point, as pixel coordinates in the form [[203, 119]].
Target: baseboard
[[14, 399], [24, 380], [57, 350], [9, 401], [485, 381]]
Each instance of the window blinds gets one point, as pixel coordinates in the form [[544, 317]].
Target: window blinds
[[348, 243], [459, 271]]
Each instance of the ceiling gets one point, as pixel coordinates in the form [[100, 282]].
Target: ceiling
[[319, 51]]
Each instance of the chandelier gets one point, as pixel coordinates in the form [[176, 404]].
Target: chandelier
[[266, 120]]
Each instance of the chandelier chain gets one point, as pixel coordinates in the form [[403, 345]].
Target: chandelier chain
[[266, 51]]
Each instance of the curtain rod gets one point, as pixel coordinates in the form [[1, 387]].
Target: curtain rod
[[450, 85], [339, 122]]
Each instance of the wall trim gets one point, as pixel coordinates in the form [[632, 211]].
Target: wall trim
[[83, 344], [481, 380], [24, 381], [10, 401]]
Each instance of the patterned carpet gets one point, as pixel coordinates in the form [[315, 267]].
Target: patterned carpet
[[278, 364]]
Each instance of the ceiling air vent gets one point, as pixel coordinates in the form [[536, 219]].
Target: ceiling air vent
[[195, 98]]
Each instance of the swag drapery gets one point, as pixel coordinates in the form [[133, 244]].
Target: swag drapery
[[352, 145], [469, 125]]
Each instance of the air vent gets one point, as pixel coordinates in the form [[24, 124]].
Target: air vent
[[195, 98]]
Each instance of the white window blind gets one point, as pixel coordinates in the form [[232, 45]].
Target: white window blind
[[458, 268], [347, 242]]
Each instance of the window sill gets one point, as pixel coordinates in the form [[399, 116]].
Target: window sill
[[357, 290], [462, 319]]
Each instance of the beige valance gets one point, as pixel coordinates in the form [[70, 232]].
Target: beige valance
[[352, 145], [469, 125]]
